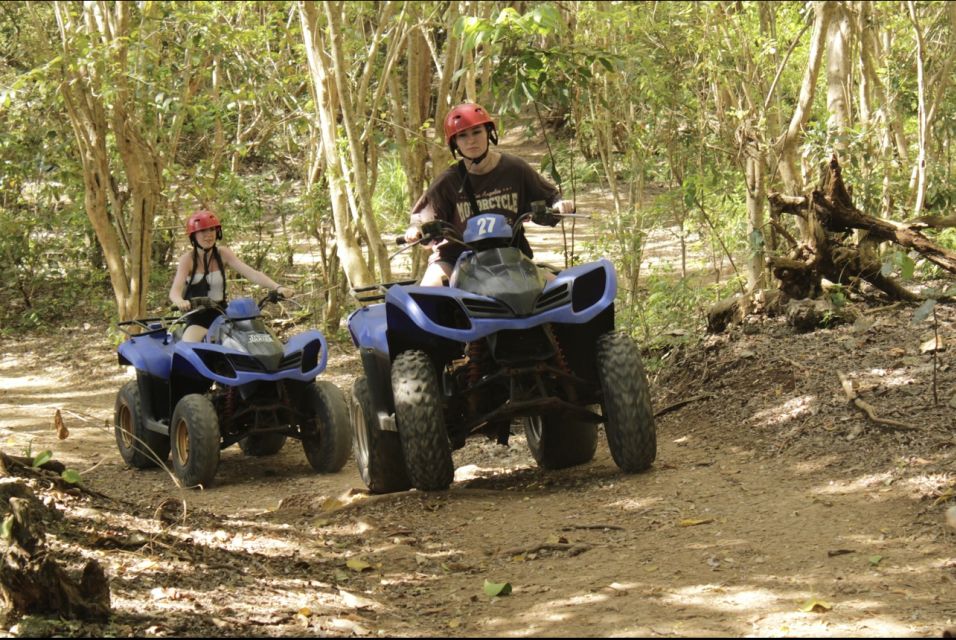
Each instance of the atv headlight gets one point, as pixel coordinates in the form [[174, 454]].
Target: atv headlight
[[217, 362], [442, 310], [588, 289]]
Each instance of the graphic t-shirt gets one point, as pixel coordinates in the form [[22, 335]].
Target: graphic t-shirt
[[508, 189]]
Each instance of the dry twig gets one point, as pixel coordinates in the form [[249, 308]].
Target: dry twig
[[853, 397]]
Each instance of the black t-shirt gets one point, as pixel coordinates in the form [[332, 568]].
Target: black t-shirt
[[508, 189]]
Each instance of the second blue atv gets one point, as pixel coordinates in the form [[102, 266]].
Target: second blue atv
[[240, 384], [501, 342]]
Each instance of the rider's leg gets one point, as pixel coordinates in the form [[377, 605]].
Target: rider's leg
[[435, 272], [194, 333]]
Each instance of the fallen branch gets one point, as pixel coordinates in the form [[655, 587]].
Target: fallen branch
[[572, 549], [599, 527], [853, 397], [681, 403]]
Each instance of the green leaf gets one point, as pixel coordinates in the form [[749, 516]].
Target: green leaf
[[907, 267], [6, 529], [875, 560], [493, 589], [71, 475], [42, 458]]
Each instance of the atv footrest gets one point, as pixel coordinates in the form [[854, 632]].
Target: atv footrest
[[535, 407]]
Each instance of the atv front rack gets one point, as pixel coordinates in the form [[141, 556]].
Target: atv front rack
[[146, 326], [380, 290]]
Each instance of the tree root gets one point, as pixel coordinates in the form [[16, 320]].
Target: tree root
[[853, 397]]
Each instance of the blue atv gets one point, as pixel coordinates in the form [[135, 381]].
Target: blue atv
[[239, 384], [500, 342]]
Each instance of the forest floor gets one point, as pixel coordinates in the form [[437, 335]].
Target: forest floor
[[775, 507]]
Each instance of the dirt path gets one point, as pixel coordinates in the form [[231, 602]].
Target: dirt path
[[774, 507], [768, 497]]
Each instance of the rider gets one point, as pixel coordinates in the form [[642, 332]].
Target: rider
[[498, 182], [203, 268]]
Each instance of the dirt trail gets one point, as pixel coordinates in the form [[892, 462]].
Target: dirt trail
[[774, 508]]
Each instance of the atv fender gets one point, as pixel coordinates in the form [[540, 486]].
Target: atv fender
[[378, 371], [146, 353]]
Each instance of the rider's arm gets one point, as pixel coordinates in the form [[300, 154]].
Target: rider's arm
[[252, 275], [179, 282], [418, 218]]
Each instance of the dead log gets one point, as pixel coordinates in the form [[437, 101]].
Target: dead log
[[832, 206], [31, 581]]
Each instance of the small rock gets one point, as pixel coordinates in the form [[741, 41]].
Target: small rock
[[951, 516]]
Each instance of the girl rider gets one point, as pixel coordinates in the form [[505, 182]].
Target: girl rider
[[201, 273]]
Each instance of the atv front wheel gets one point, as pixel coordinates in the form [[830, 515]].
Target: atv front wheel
[[629, 425], [194, 435], [421, 425], [378, 453], [326, 440], [262, 444], [139, 447], [557, 442]]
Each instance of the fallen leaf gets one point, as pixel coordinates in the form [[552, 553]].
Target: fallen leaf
[[497, 588], [61, 431], [454, 623], [354, 601], [332, 504], [933, 344], [815, 606], [875, 560], [357, 564], [305, 612], [693, 522]]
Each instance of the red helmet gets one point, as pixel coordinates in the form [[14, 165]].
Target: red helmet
[[465, 116], [203, 219]]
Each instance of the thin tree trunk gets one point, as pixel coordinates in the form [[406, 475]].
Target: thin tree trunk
[[349, 252], [920, 167]]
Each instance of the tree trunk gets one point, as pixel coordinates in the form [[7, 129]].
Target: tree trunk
[[125, 233], [919, 170], [786, 145], [349, 252], [838, 80]]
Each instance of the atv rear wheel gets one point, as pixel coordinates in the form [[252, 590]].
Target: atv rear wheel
[[557, 442], [139, 447], [378, 453], [262, 444], [421, 424], [194, 436], [326, 440], [629, 425]]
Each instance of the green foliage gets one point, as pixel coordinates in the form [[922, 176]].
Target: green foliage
[[532, 62], [390, 201]]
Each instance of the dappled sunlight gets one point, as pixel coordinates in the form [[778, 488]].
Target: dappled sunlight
[[781, 413], [637, 504], [720, 596], [895, 377], [22, 383], [864, 483], [816, 464]]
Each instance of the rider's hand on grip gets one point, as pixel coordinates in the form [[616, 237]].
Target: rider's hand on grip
[[431, 231], [412, 234], [541, 214], [202, 301]]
